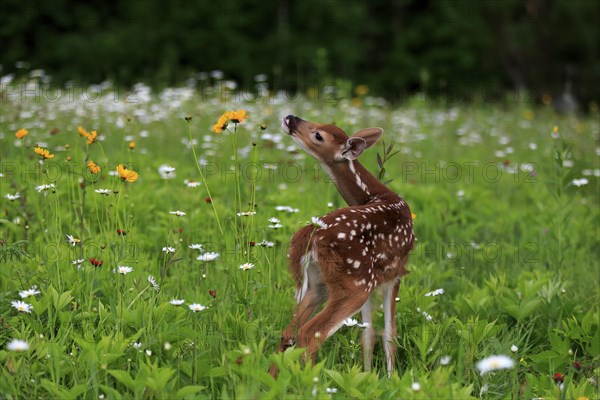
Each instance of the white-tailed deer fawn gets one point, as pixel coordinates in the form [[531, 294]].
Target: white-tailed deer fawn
[[353, 251]]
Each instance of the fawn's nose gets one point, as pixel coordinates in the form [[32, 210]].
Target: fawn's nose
[[289, 123]]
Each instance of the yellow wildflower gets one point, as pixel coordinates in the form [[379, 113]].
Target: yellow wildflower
[[236, 116], [44, 153], [82, 132], [221, 124], [413, 215], [127, 174], [91, 138], [93, 167], [361, 90], [20, 134], [132, 145]]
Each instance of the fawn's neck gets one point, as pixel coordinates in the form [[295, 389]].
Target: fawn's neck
[[356, 185]]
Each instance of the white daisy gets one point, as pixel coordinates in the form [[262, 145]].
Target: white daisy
[[73, 241], [195, 307], [427, 316], [445, 360], [246, 266], [287, 209], [45, 188], [13, 197], [580, 182], [275, 226], [152, 281], [148, 352], [104, 192], [266, 243], [124, 270], [493, 363], [22, 306], [246, 213], [196, 246], [318, 222], [17, 345], [166, 171], [177, 302], [331, 390], [274, 220], [192, 184], [514, 348], [29, 292], [352, 322], [168, 249], [137, 345], [78, 262], [210, 256], [178, 213], [436, 292], [416, 386]]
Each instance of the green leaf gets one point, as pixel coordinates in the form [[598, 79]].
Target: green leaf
[[390, 148], [123, 377], [216, 372], [336, 376], [594, 347], [76, 391], [190, 390]]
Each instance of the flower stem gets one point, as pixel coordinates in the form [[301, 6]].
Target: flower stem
[[204, 180]]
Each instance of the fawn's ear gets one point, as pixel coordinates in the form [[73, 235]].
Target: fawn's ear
[[369, 135], [353, 148]]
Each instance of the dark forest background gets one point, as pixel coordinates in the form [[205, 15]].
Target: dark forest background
[[547, 47]]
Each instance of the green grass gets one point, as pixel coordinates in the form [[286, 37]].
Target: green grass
[[500, 226]]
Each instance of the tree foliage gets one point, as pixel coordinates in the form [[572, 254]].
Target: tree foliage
[[394, 47]]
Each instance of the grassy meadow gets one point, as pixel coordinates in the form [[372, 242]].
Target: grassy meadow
[[175, 285]]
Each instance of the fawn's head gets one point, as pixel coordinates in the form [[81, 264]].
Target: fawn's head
[[328, 143]]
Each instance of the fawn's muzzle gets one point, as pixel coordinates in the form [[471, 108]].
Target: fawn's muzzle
[[289, 124]]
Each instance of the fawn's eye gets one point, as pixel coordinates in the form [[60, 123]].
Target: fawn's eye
[[318, 137]]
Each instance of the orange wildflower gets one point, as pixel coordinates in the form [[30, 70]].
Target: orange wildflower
[[92, 137], [44, 153], [20, 134], [94, 168], [236, 116], [221, 124], [132, 145], [127, 174], [82, 132]]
